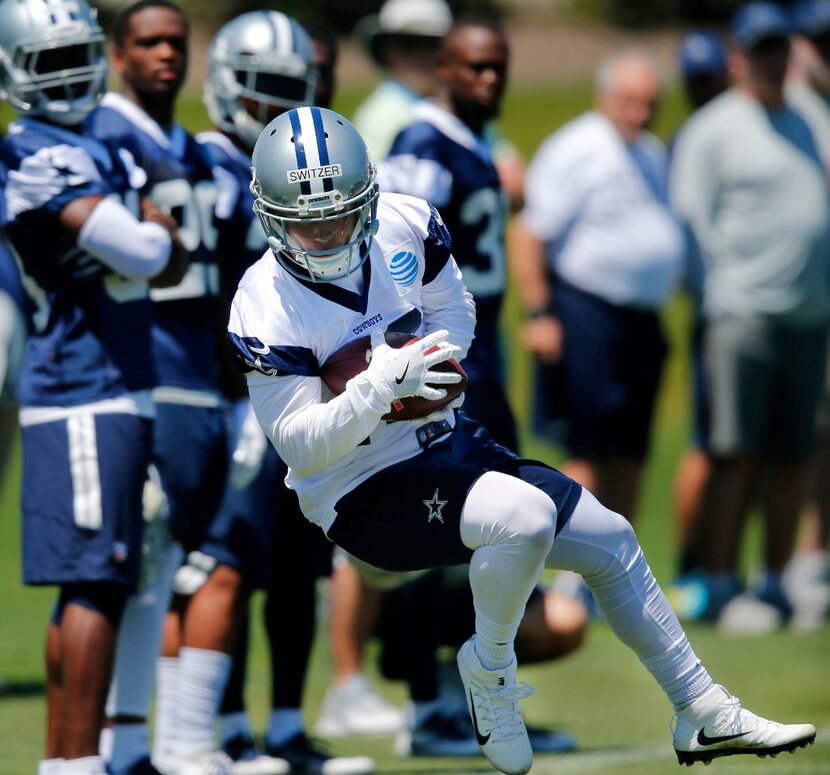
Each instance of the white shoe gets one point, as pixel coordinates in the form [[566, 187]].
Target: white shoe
[[748, 615], [210, 762], [493, 701], [807, 584], [248, 759], [716, 725], [355, 708]]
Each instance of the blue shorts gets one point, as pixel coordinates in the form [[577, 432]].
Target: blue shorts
[[598, 400], [261, 531], [81, 499], [486, 402], [190, 450], [407, 516]]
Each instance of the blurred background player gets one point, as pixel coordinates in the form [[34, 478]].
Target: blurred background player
[[597, 254], [260, 64], [704, 74], [807, 89], [150, 55], [762, 234], [13, 331], [402, 40], [71, 214]]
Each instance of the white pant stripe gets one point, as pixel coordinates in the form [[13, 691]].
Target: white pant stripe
[[83, 463]]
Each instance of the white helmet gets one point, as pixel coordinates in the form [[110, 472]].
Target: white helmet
[[264, 57], [52, 58], [311, 168]]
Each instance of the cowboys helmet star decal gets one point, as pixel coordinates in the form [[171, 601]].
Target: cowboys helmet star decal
[[435, 507]]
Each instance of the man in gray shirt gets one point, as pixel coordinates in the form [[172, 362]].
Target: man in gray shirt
[[748, 181]]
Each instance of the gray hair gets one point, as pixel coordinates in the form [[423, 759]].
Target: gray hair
[[606, 72]]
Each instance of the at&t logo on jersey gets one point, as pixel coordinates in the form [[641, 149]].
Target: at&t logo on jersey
[[404, 267]]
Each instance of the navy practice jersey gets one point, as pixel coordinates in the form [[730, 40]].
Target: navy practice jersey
[[241, 240], [179, 182], [439, 159], [10, 281], [90, 327]]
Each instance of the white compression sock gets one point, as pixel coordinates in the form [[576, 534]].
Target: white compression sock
[[601, 546], [88, 765], [139, 635], [509, 525], [49, 766], [105, 743], [202, 678], [283, 724], [167, 697]]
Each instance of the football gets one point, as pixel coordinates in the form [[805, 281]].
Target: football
[[353, 357]]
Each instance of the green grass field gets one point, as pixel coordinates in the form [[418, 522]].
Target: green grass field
[[600, 694]]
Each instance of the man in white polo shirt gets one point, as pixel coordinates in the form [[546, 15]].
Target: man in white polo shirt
[[749, 182], [597, 254]]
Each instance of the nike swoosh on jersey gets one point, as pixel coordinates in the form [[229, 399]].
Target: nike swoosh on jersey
[[482, 739], [704, 739], [261, 350], [400, 379]]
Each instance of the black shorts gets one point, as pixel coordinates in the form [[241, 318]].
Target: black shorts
[[407, 516]]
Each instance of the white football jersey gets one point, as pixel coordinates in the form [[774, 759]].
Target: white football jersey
[[284, 329]]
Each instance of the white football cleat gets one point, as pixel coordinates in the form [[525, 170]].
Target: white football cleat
[[355, 708], [716, 725], [493, 701]]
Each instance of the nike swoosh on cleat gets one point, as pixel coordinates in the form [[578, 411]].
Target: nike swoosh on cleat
[[261, 350], [704, 739], [400, 379], [482, 739]]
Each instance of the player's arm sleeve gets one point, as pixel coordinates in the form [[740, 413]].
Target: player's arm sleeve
[[118, 239], [308, 435]]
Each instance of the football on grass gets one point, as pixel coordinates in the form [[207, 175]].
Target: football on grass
[[353, 358]]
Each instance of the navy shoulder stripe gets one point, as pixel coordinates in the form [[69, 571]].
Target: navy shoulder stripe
[[437, 246], [252, 354]]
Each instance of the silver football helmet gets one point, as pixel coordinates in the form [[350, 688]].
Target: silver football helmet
[[53, 62], [258, 61], [316, 194]]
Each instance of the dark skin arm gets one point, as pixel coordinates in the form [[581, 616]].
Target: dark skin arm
[[74, 215]]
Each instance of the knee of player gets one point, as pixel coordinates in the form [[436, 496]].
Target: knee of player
[[535, 517], [620, 541]]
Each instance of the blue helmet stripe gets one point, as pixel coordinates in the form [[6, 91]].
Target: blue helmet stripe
[[322, 148], [299, 148]]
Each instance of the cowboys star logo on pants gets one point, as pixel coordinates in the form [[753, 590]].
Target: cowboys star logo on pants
[[435, 507]]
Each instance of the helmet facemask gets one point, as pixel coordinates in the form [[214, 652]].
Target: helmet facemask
[[323, 264], [62, 78], [253, 75]]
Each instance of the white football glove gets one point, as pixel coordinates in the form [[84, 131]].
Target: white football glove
[[249, 447], [406, 371]]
